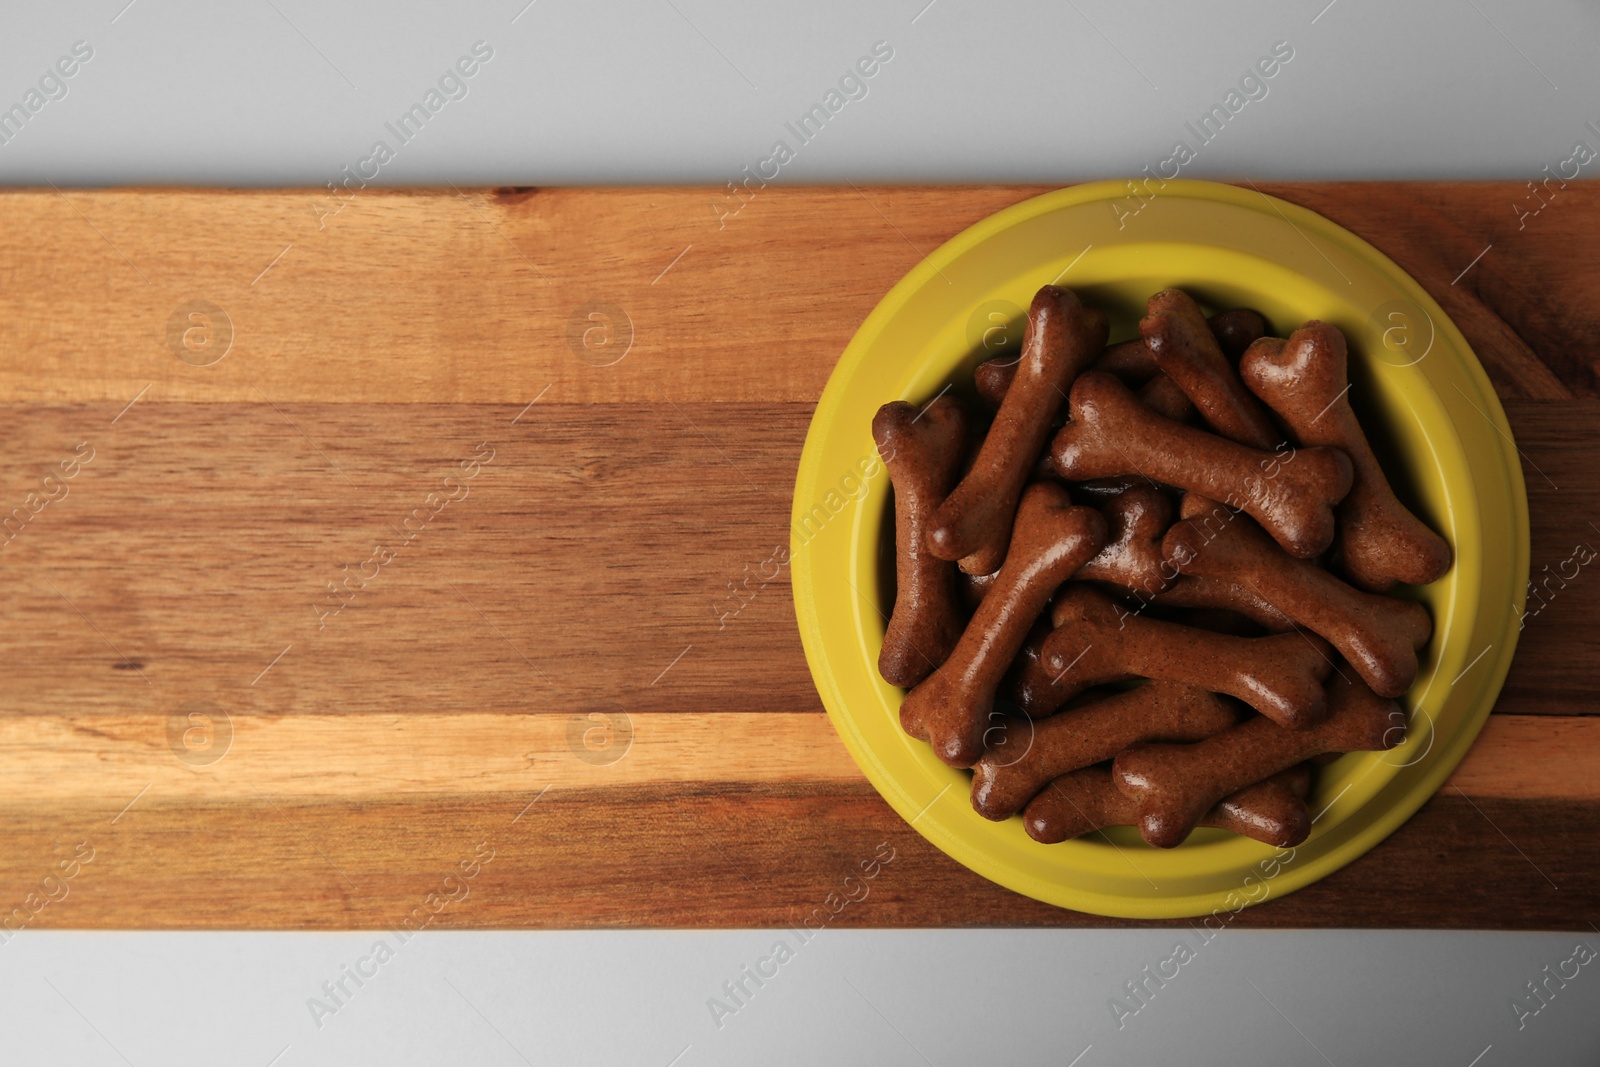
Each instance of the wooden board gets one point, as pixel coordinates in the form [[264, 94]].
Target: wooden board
[[549, 429]]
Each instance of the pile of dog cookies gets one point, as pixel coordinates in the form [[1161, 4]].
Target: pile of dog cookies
[[1196, 511]]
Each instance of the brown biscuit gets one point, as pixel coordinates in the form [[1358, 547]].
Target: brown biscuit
[[1097, 641], [1163, 396], [950, 708], [1193, 505], [1175, 331], [1160, 393], [973, 525], [1136, 520], [1028, 685], [993, 377], [1130, 361], [1176, 785], [1305, 380], [1195, 592], [1237, 330], [1273, 811], [1379, 635], [1112, 433], [1217, 620], [973, 587], [1002, 782], [1133, 362], [922, 452]]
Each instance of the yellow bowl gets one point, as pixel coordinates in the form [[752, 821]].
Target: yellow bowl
[[1428, 407]]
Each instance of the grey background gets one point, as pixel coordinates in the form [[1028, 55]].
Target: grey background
[[290, 92], [885, 997]]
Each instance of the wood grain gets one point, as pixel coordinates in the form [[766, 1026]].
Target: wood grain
[[722, 855], [1518, 757], [578, 581], [593, 549]]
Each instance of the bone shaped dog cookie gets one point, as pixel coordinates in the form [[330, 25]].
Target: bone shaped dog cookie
[[973, 524], [1136, 520], [1096, 641], [1237, 330], [1002, 782], [1176, 785], [922, 452], [1379, 635], [1136, 516], [1112, 433], [1273, 811], [1134, 363], [1194, 591], [1305, 380], [1160, 393], [974, 587], [1027, 684], [1166, 398], [1175, 332], [1053, 538], [1212, 594], [993, 377], [1130, 361]]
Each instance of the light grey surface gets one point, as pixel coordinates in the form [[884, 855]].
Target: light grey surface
[[848, 997], [291, 91]]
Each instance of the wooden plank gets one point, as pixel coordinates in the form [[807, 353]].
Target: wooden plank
[[1532, 757], [1557, 667], [715, 856], [505, 757], [577, 566], [91, 761], [439, 296], [446, 296]]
